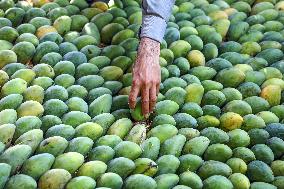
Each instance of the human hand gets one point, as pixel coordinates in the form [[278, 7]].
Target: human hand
[[146, 76]]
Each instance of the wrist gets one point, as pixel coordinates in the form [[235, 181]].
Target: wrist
[[150, 46]]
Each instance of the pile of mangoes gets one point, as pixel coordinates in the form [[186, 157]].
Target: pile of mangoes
[[66, 75]]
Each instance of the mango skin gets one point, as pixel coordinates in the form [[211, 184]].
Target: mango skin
[[31, 138], [128, 149], [6, 133], [111, 180], [81, 145], [163, 132], [54, 179], [53, 145], [173, 145], [81, 182], [121, 166], [137, 134], [102, 153], [21, 181], [69, 161], [93, 169], [145, 166], [16, 156], [37, 165], [120, 128], [167, 164], [151, 148], [166, 181], [140, 181], [5, 170]]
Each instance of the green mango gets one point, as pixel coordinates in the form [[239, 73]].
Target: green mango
[[70, 161], [137, 134], [81, 182], [93, 169], [5, 170], [37, 165], [31, 138], [110, 180], [54, 179], [55, 145], [16, 156], [21, 181], [145, 166]]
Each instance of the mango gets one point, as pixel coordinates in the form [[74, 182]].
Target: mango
[[166, 180], [128, 149], [30, 108], [218, 181], [194, 93], [173, 146], [120, 128], [101, 153], [196, 58], [196, 146], [145, 166], [65, 131], [37, 165], [211, 167], [110, 180], [171, 110], [21, 181], [140, 181], [121, 166], [80, 145], [75, 118], [191, 179], [35, 93], [271, 93], [89, 129], [189, 162], [108, 140], [8, 116], [93, 169], [31, 138], [163, 132], [54, 179], [167, 164], [25, 124], [6, 133], [70, 161], [81, 182], [151, 148], [53, 145], [137, 134], [4, 174], [26, 74], [231, 121], [62, 24], [16, 156], [7, 56], [14, 86], [100, 105]]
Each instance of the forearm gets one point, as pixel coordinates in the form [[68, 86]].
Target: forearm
[[149, 47], [156, 14]]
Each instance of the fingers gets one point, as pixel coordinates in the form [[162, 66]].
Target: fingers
[[153, 98], [135, 89], [157, 88], [145, 100]]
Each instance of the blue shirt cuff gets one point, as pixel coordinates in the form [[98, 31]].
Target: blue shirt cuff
[[153, 27]]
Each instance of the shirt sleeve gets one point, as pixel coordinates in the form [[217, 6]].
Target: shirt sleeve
[[156, 14]]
